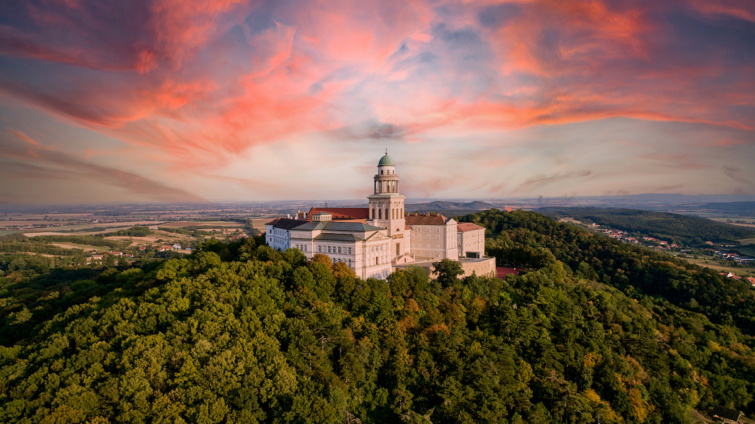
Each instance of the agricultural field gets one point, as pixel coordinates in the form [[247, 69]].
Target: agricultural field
[[259, 223], [182, 224], [84, 247], [708, 263], [739, 221]]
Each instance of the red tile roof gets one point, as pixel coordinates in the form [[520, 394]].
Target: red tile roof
[[425, 219], [468, 226], [343, 213]]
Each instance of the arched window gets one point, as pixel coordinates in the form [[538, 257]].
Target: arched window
[[380, 213]]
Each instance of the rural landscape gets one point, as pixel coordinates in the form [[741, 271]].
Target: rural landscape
[[377, 211], [139, 315]]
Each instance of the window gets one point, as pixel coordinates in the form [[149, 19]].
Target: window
[[319, 249], [349, 254], [339, 250], [329, 249]]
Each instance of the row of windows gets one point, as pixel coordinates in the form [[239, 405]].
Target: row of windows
[[334, 249], [336, 260], [339, 249], [427, 229], [396, 213]]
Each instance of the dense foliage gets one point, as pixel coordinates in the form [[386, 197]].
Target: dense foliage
[[526, 238], [241, 333], [687, 230]]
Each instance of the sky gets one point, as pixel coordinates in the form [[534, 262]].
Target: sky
[[226, 100]]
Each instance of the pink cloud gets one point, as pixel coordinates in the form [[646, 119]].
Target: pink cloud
[[201, 83]]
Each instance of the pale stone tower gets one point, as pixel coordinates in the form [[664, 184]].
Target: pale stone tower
[[387, 205]]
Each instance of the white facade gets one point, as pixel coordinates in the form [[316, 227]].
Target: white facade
[[389, 237], [278, 236], [470, 240], [432, 237], [364, 248]]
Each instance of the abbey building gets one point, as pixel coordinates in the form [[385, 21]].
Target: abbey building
[[373, 241]]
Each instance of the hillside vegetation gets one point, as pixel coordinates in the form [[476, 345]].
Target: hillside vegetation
[[241, 333], [682, 229]]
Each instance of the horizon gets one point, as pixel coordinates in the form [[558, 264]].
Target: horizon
[[613, 201], [149, 103]]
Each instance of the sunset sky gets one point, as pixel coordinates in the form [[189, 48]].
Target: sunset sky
[[152, 101]]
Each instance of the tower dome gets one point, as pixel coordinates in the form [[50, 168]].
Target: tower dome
[[386, 161]]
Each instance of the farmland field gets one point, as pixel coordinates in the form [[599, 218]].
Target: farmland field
[[152, 239], [180, 224], [715, 265], [745, 222], [84, 247]]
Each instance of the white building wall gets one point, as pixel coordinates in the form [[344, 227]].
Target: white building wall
[[471, 241], [368, 258], [434, 241], [277, 238]]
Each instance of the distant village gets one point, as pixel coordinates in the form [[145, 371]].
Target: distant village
[[661, 245], [135, 252]]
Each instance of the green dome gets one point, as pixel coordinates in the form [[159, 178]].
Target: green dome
[[386, 161]]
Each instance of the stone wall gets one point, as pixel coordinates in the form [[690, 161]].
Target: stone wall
[[482, 267]]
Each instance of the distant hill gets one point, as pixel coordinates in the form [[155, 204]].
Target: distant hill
[[668, 226], [449, 208], [734, 208]]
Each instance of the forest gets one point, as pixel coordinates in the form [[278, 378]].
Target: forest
[[675, 228], [594, 331]]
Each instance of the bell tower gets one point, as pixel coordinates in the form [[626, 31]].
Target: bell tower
[[386, 204]]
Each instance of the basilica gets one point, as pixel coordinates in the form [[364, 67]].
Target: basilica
[[375, 240]]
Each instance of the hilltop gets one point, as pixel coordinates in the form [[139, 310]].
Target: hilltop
[[682, 229], [237, 332]]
